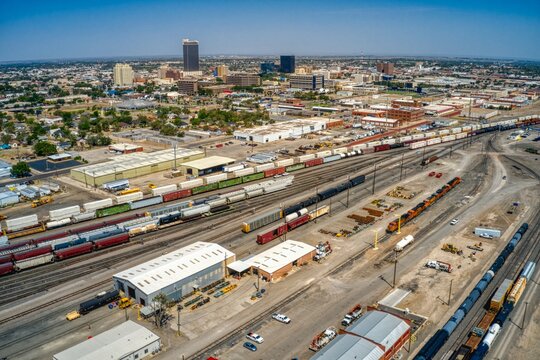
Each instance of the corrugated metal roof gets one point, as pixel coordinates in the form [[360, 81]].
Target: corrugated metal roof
[[381, 327], [501, 291], [166, 270], [349, 347], [209, 162], [280, 255], [115, 343]]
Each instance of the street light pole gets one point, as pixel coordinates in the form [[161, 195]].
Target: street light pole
[[395, 269], [401, 167], [374, 176], [524, 315], [178, 308], [450, 291]]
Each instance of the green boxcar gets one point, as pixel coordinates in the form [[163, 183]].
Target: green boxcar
[[230, 182], [256, 176], [204, 188], [295, 167], [112, 210]]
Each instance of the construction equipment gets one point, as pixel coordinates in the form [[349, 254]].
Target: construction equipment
[[152, 186], [42, 201], [125, 302], [323, 339], [439, 265], [129, 191], [352, 315], [73, 315], [322, 250], [476, 247], [451, 249]]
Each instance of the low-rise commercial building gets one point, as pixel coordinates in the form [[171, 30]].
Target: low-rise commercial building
[[380, 122], [205, 166], [282, 130], [405, 113], [243, 79], [176, 274], [127, 341], [306, 82], [188, 86]]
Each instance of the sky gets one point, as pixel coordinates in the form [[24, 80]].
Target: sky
[[64, 29]]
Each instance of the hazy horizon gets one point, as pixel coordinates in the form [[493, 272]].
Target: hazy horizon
[[64, 30]]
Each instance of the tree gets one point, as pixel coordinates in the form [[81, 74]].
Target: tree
[[21, 169], [44, 148], [159, 306]]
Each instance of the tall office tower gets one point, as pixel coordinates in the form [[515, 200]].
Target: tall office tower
[[222, 71], [386, 68], [123, 75], [287, 64], [191, 55]]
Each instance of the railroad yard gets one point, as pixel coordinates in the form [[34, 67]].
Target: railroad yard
[[358, 269]]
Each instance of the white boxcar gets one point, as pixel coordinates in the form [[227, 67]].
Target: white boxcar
[[122, 199], [21, 222], [342, 150], [324, 153], [212, 179], [164, 189], [99, 204], [418, 136], [418, 144], [35, 261], [434, 141], [444, 132], [430, 134], [373, 143], [456, 130], [461, 135], [389, 141], [284, 162], [263, 167], [64, 213], [190, 184], [244, 172], [448, 138], [405, 138], [306, 157]]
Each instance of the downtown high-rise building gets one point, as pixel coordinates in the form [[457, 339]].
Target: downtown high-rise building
[[191, 55], [287, 64], [123, 75]]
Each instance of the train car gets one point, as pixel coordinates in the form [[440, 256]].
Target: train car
[[357, 180], [295, 167], [204, 188], [6, 268], [189, 213], [328, 193], [267, 236], [111, 241], [170, 218], [175, 195], [297, 222], [33, 261], [74, 251], [38, 251], [87, 306], [381, 147], [154, 200], [6, 258], [274, 172], [253, 177], [320, 211], [112, 210], [331, 158], [57, 223], [230, 182], [262, 220]]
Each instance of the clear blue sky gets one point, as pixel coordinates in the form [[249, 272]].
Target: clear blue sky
[[57, 29]]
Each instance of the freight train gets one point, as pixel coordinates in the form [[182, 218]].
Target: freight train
[[435, 343], [508, 307], [418, 209], [278, 213]]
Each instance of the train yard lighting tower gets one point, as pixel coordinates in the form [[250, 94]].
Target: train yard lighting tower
[[374, 177], [376, 241], [399, 225], [178, 308]]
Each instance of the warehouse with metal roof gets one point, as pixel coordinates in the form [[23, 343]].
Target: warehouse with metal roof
[[128, 340], [133, 165], [376, 335], [205, 166], [277, 261], [176, 274]]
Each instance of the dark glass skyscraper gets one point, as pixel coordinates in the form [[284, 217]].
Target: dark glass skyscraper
[[287, 64], [191, 55]]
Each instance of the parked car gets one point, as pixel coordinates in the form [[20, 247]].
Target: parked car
[[438, 175], [281, 318], [432, 173], [486, 236], [454, 222], [250, 346], [255, 337]]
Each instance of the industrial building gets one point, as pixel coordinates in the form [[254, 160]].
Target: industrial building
[[282, 130], [127, 341], [205, 166], [5, 169], [381, 122], [277, 261], [406, 113], [176, 274], [376, 335], [133, 165], [125, 148]]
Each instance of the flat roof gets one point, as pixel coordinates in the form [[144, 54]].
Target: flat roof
[[278, 256], [115, 343], [381, 120], [156, 274], [284, 126], [209, 162], [59, 156], [135, 160], [349, 347], [124, 147], [381, 327]]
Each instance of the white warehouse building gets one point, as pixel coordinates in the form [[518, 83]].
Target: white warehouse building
[[281, 130], [176, 274]]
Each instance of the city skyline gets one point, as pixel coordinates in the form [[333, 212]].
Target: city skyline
[[64, 30]]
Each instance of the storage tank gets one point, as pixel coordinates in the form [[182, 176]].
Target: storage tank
[[404, 242]]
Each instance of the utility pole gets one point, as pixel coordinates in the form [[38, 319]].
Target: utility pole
[[316, 199], [524, 315], [376, 242], [374, 175], [401, 167], [423, 154], [395, 269], [450, 292], [330, 208], [348, 191], [258, 277], [178, 308]]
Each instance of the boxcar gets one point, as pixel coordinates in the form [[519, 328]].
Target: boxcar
[[230, 182], [262, 220]]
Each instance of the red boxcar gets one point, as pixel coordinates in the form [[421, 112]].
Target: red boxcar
[[15, 246], [6, 268], [111, 241], [270, 235], [51, 237], [298, 221], [89, 227], [6, 258], [382, 147], [32, 253], [272, 172], [175, 195], [74, 251], [314, 162], [368, 150], [122, 219]]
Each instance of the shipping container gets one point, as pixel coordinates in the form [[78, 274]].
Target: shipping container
[[328, 159], [381, 148], [22, 222], [204, 188], [266, 237], [175, 195], [433, 141], [263, 167], [112, 210], [74, 251], [164, 189], [448, 138], [111, 241], [38, 251], [35, 261], [314, 162], [418, 144], [304, 158], [214, 178], [285, 162], [233, 167], [99, 204], [190, 184], [295, 167], [418, 136], [64, 213], [123, 199], [230, 182], [262, 220], [252, 177], [84, 216], [388, 141], [243, 172], [58, 223], [273, 172], [342, 150]]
